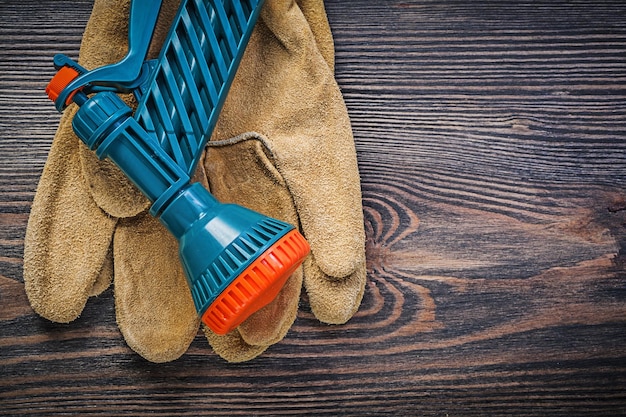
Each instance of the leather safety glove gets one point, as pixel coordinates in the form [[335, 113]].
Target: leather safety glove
[[283, 146], [89, 225]]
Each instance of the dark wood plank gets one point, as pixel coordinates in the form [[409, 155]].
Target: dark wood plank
[[492, 145]]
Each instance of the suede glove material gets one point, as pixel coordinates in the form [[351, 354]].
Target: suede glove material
[[283, 146], [89, 225]]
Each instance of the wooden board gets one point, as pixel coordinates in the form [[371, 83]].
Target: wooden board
[[491, 140]]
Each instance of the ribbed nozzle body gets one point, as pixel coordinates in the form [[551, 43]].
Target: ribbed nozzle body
[[236, 260]]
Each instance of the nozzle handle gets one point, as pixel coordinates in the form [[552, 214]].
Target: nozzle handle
[[125, 75]]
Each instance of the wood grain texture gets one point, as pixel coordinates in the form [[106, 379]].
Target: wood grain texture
[[491, 140]]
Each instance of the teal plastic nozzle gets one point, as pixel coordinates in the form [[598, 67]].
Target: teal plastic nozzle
[[236, 260]]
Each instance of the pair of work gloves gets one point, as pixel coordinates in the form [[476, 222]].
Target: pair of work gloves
[[283, 146]]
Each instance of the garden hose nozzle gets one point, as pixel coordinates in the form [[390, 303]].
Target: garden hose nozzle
[[236, 260]]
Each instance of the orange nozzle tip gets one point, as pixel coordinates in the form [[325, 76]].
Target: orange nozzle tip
[[258, 284], [61, 80]]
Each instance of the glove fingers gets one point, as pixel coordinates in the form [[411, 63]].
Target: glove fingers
[[314, 150], [231, 347], [315, 14], [153, 304], [281, 313], [285, 90], [291, 97], [105, 277], [333, 301], [262, 329], [68, 236], [241, 173]]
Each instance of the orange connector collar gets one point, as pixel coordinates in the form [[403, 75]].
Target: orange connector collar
[[61, 80]]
